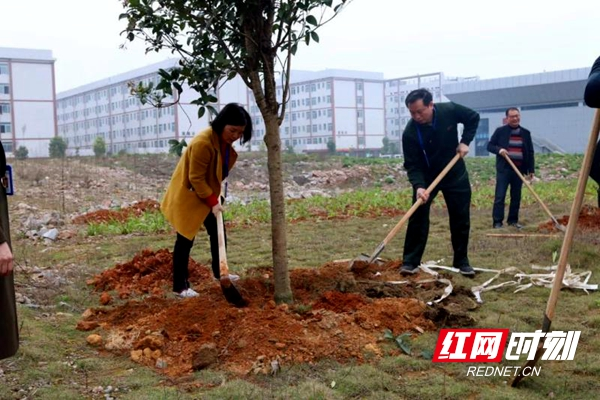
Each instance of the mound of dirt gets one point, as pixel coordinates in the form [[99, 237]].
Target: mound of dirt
[[121, 215], [337, 314], [589, 219]]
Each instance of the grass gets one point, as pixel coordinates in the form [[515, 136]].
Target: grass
[[51, 347], [54, 360]]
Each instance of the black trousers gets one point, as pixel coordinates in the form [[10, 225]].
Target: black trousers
[[505, 178], [457, 196], [181, 254]]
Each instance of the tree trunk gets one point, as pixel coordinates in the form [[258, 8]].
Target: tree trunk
[[283, 290]]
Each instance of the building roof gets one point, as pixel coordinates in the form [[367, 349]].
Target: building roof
[[25, 54], [124, 77], [543, 88]]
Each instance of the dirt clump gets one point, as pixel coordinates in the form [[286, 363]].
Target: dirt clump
[[121, 215], [335, 315], [589, 219]]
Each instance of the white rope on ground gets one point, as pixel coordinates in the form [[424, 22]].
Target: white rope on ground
[[570, 280]]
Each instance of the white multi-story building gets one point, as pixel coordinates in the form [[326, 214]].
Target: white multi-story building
[[107, 108], [345, 107], [396, 90], [27, 100]]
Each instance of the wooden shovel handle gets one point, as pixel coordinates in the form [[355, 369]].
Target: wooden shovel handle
[[223, 267], [573, 217], [512, 164], [418, 203]]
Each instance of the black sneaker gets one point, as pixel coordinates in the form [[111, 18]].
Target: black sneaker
[[497, 225], [516, 225], [466, 270], [408, 269]]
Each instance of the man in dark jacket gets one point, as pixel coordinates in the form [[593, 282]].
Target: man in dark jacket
[[515, 141], [9, 334], [430, 141], [592, 99]]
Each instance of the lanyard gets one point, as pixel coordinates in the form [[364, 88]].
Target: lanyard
[[421, 138], [226, 167]]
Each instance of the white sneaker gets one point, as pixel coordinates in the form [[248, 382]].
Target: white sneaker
[[187, 293], [232, 278]]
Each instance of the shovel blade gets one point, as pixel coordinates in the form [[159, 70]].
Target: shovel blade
[[232, 295], [359, 263]]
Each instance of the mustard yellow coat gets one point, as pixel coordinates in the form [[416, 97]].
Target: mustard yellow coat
[[198, 174]]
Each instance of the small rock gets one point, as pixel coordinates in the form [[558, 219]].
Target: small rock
[[205, 357], [86, 326], [161, 364], [280, 345], [105, 298], [136, 355], [94, 340]]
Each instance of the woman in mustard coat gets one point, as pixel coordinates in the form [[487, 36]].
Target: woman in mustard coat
[[192, 198]]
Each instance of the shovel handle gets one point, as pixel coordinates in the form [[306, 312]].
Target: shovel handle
[[223, 267], [514, 167], [419, 201]]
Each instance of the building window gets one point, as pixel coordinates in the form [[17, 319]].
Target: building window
[[3, 69], [4, 89], [359, 113], [4, 108], [5, 127], [359, 99], [8, 146]]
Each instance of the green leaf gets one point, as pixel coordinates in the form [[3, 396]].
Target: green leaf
[[314, 36], [312, 20], [387, 334], [307, 38], [201, 112], [211, 99], [294, 48]]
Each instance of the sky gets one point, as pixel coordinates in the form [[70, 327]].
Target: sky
[[489, 39]]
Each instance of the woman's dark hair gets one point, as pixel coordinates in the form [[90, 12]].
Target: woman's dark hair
[[419, 94], [233, 114]]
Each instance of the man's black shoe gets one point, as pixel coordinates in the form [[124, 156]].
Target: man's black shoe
[[497, 225], [516, 225], [408, 269], [466, 270]]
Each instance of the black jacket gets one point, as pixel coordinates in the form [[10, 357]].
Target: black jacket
[[592, 89], [439, 142], [592, 99], [500, 140]]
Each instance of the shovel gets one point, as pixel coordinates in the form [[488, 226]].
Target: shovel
[[364, 259], [566, 245], [556, 223], [232, 295]]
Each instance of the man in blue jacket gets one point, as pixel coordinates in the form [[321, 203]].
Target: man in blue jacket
[[515, 141], [430, 141]]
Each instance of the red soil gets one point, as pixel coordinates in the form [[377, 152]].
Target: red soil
[[337, 314]]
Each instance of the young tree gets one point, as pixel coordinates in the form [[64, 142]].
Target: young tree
[[219, 39], [22, 153], [385, 149], [331, 149], [57, 147], [99, 146]]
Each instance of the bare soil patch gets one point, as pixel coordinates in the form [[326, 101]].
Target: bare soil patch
[[337, 314], [589, 219]]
